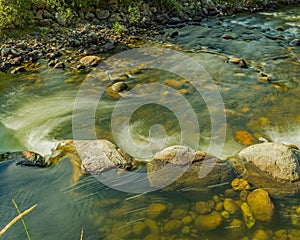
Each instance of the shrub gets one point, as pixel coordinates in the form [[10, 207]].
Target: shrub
[[15, 12]]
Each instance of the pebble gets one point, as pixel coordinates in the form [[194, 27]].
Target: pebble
[[5, 52], [119, 87], [173, 226], [60, 65], [18, 70], [227, 36], [231, 206], [295, 42]]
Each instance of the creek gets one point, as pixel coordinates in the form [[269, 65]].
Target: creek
[[261, 100]]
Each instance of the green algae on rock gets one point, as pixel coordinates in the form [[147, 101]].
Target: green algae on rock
[[208, 222], [261, 205]]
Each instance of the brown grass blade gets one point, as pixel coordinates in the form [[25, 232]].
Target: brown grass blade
[[12, 222], [81, 236]]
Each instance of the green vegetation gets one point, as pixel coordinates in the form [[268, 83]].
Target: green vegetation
[[23, 222], [19, 13], [118, 28], [134, 13]]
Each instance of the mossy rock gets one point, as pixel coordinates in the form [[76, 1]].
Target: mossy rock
[[261, 205], [208, 222]]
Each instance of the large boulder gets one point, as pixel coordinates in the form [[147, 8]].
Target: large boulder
[[93, 156], [277, 159], [181, 167], [100, 155], [272, 166]]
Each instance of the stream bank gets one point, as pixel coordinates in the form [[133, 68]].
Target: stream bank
[[62, 40]]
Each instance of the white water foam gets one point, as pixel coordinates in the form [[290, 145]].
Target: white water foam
[[34, 121], [289, 135]]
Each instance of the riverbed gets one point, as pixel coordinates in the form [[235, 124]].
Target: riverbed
[[251, 62]]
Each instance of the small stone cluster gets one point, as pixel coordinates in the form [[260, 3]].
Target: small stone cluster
[[230, 213]]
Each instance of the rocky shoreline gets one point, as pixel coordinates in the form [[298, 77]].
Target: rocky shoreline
[[62, 42]]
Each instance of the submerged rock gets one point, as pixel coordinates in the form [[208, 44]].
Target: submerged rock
[[231, 206], [272, 166], [277, 159], [173, 226], [98, 156], [261, 205], [247, 215], [94, 156], [187, 169], [239, 184], [25, 158], [208, 222], [155, 210]]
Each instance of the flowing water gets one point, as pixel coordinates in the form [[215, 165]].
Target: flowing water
[[37, 111]]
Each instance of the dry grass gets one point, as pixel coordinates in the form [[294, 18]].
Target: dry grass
[[20, 216]]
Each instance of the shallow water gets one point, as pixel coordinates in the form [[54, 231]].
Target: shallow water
[[37, 112]]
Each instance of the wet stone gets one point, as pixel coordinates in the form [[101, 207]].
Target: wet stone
[[295, 42], [187, 220], [240, 184], [108, 46], [244, 195], [24, 158], [119, 87], [5, 52], [139, 228], [203, 207], [60, 65], [102, 14], [247, 215], [262, 235], [279, 160], [92, 37], [18, 70], [178, 213], [52, 63], [231, 206], [173, 226], [281, 234], [227, 36], [261, 205], [173, 34], [230, 193], [208, 222], [236, 229], [4, 66], [90, 61], [155, 210]]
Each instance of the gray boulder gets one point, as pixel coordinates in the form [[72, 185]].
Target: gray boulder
[[182, 168], [271, 166], [277, 159], [98, 156]]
